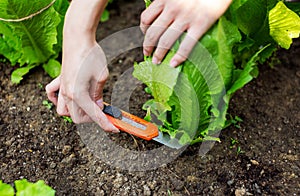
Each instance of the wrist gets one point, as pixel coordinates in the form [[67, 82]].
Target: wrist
[[78, 30], [75, 33], [82, 19]]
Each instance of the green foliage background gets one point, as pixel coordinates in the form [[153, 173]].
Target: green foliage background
[[25, 188], [36, 41]]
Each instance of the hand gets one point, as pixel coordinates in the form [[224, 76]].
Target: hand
[[80, 85], [165, 20], [84, 69]]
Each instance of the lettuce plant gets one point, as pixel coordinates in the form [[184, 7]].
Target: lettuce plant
[[192, 100], [35, 41], [23, 187]]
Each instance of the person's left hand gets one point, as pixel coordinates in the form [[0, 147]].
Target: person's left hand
[[165, 20], [80, 85]]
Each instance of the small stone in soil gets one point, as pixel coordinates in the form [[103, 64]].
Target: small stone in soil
[[147, 191], [52, 165], [254, 162], [240, 192], [66, 149]]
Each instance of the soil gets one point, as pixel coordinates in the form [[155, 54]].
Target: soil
[[35, 143]]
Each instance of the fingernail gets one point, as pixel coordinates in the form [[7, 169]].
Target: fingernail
[[116, 131], [99, 102], [155, 61], [173, 63]]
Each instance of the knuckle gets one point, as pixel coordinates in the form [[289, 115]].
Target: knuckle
[[147, 49], [159, 58], [180, 58], [182, 26], [173, 11], [183, 51], [160, 53], [164, 44], [61, 112], [143, 28], [150, 38], [144, 18]]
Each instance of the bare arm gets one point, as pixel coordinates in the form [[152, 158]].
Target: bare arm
[[84, 70]]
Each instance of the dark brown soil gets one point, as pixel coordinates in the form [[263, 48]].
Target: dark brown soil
[[35, 143]]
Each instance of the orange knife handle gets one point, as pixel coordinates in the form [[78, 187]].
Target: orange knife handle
[[148, 131]]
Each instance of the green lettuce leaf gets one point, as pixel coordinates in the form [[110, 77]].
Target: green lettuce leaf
[[17, 75], [9, 44], [284, 25], [32, 42], [147, 3], [105, 16], [60, 7], [219, 42], [160, 79], [250, 15], [37, 35], [244, 76], [197, 106], [24, 188], [52, 67], [187, 94], [6, 189]]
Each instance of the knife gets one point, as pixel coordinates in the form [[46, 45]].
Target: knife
[[138, 127]]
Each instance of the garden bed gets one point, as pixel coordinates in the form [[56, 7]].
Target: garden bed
[[35, 143]]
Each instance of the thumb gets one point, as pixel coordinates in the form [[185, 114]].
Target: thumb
[[96, 114]]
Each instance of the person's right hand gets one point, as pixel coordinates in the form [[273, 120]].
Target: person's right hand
[[80, 85], [164, 21]]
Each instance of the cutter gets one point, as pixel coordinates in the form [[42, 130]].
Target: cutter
[[138, 127]]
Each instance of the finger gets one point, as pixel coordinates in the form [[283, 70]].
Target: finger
[[99, 102], [96, 89], [154, 33], [61, 108], [150, 14], [51, 90], [97, 92], [168, 39], [77, 114], [96, 114], [186, 47]]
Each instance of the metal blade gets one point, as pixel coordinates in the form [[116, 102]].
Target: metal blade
[[161, 138], [133, 123], [166, 140]]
